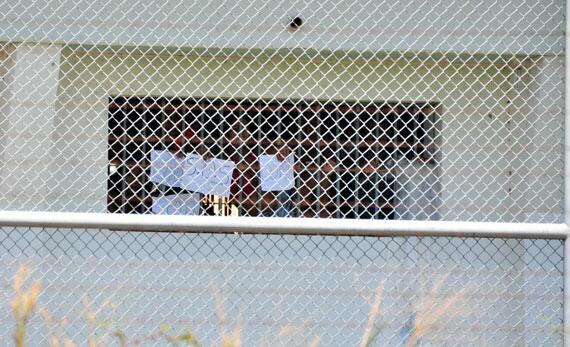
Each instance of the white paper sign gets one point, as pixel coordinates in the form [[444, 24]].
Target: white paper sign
[[276, 175], [213, 176], [166, 168], [184, 204]]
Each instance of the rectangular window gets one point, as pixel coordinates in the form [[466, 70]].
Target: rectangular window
[[346, 153]]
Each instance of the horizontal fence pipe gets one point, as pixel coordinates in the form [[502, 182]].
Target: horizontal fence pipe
[[293, 226]]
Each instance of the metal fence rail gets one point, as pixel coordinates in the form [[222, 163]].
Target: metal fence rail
[[290, 289]]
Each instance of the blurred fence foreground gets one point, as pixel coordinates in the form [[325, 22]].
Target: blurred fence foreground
[[323, 286]]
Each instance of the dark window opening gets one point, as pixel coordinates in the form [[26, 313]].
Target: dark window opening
[[345, 152]]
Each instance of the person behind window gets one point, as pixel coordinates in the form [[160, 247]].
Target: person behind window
[[190, 141], [243, 188], [280, 204]]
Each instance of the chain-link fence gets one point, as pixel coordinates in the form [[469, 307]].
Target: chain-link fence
[[289, 290], [447, 110], [408, 110]]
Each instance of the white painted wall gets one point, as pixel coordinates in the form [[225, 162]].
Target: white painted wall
[[500, 26], [501, 122], [518, 147], [544, 111], [30, 96], [476, 155], [6, 65]]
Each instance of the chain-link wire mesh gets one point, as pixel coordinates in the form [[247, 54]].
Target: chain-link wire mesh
[[424, 110], [408, 110], [286, 290]]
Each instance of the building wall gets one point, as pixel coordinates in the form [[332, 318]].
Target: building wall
[[494, 65], [543, 111], [27, 117], [477, 116], [6, 65], [487, 26]]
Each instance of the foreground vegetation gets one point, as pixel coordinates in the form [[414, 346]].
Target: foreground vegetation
[[24, 306]]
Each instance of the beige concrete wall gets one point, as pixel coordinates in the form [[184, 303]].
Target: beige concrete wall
[[501, 122], [474, 98], [6, 64], [487, 26], [30, 96]]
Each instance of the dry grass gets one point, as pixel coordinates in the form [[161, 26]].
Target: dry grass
[[55, 337], [24, 302], [368, 336], [431, 311], [24, 306], [228, 339]]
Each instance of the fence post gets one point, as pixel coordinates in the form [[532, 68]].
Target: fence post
[[566, 284], [566, 273]]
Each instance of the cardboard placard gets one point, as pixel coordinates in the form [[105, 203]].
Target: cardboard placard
[[276, 175]]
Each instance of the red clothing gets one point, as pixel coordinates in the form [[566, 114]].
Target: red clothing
[[182, 139]]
